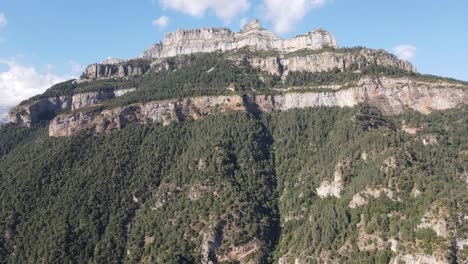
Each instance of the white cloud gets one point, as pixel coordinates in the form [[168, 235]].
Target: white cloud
[[21, 82], [285, 14], [223, 9], [161, 22], [405, 52], [3, 20]]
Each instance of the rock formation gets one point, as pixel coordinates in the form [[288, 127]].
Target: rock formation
[[325, 61], [115, 68], [391, 96], [313, 52], [335, 187], [46, 108], [361, 198], [188, 41]]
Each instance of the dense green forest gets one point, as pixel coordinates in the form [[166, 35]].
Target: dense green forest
[[235, 187]]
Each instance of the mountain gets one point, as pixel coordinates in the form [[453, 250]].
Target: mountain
[[223, 147]]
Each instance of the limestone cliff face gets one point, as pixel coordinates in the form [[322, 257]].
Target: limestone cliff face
[[324, 61], [46, 108], [391, 96], [115, 68], [88, 99], [328, 61], [253, 37], [42, 109], [185, 41]]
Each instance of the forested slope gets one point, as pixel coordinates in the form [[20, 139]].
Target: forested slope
[[347, 185]]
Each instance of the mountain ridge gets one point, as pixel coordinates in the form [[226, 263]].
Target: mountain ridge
[[187, 41], [272, 64]]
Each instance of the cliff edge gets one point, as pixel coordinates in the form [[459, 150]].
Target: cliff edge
[[253, 35]]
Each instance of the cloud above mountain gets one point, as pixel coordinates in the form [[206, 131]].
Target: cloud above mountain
[[3, 20], [162, 22], [223, 9], [405, 52], [284, 15], [21, 82]]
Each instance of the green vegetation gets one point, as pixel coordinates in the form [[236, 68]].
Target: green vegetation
[[154, 193], [193, 75], [233, 182], [71, 87]]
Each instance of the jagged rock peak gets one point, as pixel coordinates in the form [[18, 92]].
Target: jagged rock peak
[[252, 25], [204, 40], [111, 60]]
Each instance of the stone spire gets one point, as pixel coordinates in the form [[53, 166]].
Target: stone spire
[[252, 25]]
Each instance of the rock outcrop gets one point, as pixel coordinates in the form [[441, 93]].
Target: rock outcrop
[[353, 59], [115, 68], [391, 96], [362, 198], [418, 258], [436, 219], [335, 187], [46, 108], [42, 109], [188, 41], [88, 99]]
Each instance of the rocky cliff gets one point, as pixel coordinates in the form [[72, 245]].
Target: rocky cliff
[[289, 54], [390, 95], [342, 60], [188, 41], [116, 68], [46, 108]]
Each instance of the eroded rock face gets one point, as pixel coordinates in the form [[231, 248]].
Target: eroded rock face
[[204, 40], [115, 68], [362, 198], [335, 187], [87, 99], [46, 108], [418, 259], [436, 219], [391, 96], [211, 241], [282, 65], [42, 109]]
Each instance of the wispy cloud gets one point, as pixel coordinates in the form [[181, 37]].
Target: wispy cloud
[[285, 14], [20, 82], [161, 22], [405, 52], [3, 20], [223, 9]]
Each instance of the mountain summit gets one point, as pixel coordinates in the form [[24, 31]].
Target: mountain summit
[[250, 71], [253, 35]]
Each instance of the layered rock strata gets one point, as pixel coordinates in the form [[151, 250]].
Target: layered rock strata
[[46, 108], [325, 61], [204, 40], [115, 68], [391, 96]]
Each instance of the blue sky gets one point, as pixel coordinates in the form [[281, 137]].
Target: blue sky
[[45, 41]]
